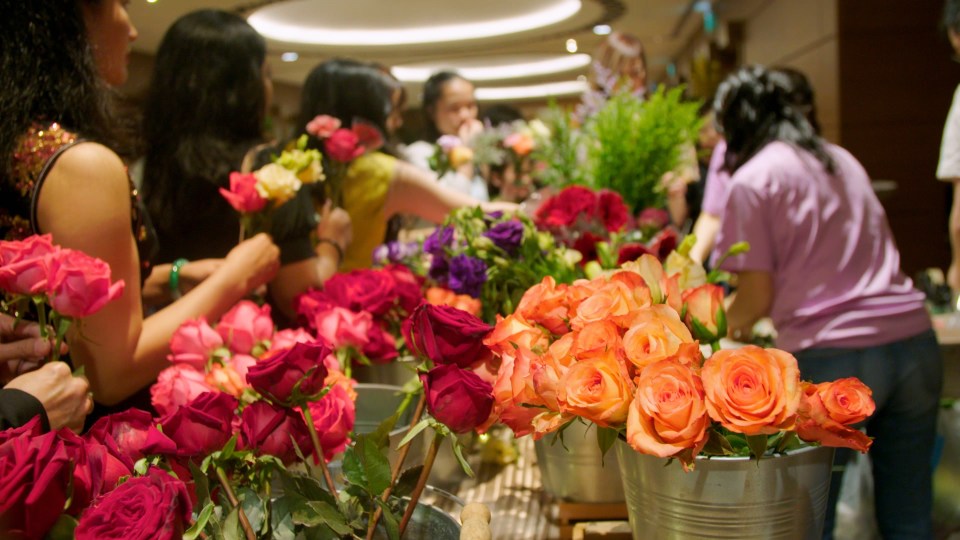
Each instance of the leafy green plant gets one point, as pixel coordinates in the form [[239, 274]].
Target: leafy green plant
[[559, 150], [633, 143]]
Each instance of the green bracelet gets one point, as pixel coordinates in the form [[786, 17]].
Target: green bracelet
[[174, 282]]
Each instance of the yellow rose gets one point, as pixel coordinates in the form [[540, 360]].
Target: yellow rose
[[276, 183], [460, 155]]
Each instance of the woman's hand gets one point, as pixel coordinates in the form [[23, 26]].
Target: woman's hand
[[21, 348], [194, 272], [335, 225], [252, 263], [66, 398]]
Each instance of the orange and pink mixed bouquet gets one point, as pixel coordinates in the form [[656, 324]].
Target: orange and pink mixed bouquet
[[623, 351]]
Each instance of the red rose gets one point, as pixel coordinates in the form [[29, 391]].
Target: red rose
[[458, 398], [243, 195], [343, 146], [564, 208], [245, 326], [586, 244], [127, 430], [154, 507], [665, 242], [448, 335], [203, 425], [299, 366], [96, 470], [268, 429], [34, 474], [334, 417], [381, 347], [631, 252], [363, 290], [368, 136], [408, 287], [80, 284], [612, 211], [653, 219], [30, 429], [309, 303]]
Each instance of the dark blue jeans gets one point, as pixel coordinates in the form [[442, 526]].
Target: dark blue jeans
[[906, 378]]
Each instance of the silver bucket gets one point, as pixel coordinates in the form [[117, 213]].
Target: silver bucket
[[577, 473], [397, 373], [781, 497], [427, 522]]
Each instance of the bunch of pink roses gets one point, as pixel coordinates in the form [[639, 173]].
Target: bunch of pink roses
[[63, 285], [621, 351], [342, 146], [359, 313]]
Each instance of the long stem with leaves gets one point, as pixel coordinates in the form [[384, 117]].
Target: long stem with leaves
[[318, 450], [395, 473], [244, 521], [421, 482]]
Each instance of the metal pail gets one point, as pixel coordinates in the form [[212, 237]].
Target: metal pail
[[577, 473]]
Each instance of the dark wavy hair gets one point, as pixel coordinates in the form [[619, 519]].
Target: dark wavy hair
[[204, 110], [756, 106], [49, 74], [347, 90], [432, 92]]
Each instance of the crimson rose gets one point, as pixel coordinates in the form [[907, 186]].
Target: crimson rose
[[458, 398], [268, 429], [34, 474], [448, 335], [299, 367], [201, 426]]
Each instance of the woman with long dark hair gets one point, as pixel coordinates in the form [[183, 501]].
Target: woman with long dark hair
[[204, 115], [824, 266], [58, 175], [377, 186]]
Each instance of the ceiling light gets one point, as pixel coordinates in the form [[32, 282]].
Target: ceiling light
[[269, 21], [290, 56], [571, 45], [493, 72], [602, 29], [502, 93], [151, 1]]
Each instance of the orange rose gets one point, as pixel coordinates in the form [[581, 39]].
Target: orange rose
[[521, 143], [819, 422], [226, 379], [338, 378], [752, 390], [654, 333], [548, 422], [440, 296], [595, 339], [703, 309], [650, 269], [596, 390], [546, 304], [512, 332], [668, 415], [612, 301]]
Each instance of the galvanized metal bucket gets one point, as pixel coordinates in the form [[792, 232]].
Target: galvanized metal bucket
[[396, 373], [427, 522], [780, 497], [577, 473]]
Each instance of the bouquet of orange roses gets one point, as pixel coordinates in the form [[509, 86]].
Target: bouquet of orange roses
[[623, 351]]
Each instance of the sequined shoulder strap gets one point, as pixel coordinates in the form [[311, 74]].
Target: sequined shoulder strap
[[35, 155]]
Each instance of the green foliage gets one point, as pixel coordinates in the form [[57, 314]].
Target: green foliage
[[559, 151], [633, 143]]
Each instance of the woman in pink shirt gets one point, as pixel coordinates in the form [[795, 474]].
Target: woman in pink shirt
[[824, 266]]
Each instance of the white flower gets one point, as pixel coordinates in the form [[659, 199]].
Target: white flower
[[539, 129], [276, 183]]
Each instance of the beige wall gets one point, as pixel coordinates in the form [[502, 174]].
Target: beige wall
[[801, 35]]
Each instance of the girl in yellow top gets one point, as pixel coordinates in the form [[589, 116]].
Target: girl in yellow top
[[376, 185]]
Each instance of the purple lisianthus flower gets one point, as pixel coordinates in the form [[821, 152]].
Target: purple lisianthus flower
[[439, 268], [441, 237], [449, 142], [506, 235], [467, 275]]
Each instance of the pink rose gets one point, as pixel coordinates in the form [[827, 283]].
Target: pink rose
[[333, 416], [339, 327], [242, 195], [25, 265], [245, 326], [343, 145], [381, 347], [368, 136], [322, 126], [241, 364], [176, 386], [288, 337], [193, 343], [80, 284]]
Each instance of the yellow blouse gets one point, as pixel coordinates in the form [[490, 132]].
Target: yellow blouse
[[365, 189]]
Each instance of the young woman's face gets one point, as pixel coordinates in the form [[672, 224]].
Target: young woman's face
[[455, 107], [110, 33]]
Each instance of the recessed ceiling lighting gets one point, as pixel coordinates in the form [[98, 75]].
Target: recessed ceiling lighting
[[571, 45], [494, 72], [274, 27], [151, 1], [502, 93], [602, 29], [290, 56]]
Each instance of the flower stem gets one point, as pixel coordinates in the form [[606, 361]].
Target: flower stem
[[318, 450], [244, 522], [421, 482], [715, 345], [395, 473]]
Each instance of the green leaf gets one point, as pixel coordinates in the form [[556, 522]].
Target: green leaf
[[721, 318], [389, 520], [331, 517], [62, 529], [414, 431], [253, 507], [353, 469], [376, 466], [202, 518], [757, 444], [141, 466], [717, 445], [381, 435], [458, 452], [231, 526], [407, 481], [605, 438], [201, 484], [281, 518]]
